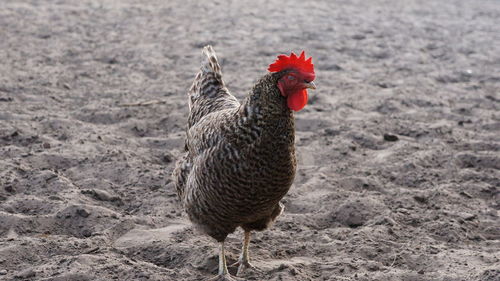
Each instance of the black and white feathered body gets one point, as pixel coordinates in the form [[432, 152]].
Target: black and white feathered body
[[239, 158]]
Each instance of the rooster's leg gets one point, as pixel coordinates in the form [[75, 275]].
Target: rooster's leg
[[244, 260], [223, 274]]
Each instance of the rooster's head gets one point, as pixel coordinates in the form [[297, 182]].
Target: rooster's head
[[298, 75]]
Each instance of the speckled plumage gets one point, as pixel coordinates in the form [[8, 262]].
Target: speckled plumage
[[240, 157]]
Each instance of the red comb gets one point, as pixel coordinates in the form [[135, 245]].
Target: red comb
[[285, 62]]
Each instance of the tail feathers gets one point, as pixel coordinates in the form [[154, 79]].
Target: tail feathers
[[208, 92], [208, 81], [209, 61]]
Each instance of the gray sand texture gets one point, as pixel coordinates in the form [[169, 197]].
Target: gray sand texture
[[398, 149]]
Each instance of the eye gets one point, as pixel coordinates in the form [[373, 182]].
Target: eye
[[291, 77]]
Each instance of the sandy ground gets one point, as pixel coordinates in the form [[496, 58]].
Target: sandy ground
[[399, 163]]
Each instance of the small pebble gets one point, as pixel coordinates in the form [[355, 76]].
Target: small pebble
[[82, 213], [389, 137], [86, 233]]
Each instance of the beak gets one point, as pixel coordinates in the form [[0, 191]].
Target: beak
[[310, 85]]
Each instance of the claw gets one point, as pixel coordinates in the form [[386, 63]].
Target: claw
[[244, 265], [243, 261], [223, 277], [223, 274]]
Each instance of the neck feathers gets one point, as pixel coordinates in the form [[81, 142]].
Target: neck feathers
[[265, 100]]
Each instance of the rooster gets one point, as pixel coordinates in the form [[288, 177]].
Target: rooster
[[239, 158]]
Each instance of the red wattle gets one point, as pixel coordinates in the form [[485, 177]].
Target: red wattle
[[297, 100]]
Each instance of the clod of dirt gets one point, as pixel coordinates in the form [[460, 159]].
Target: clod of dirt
[[102, 195], [358, 212], [490, 275], [421, 199], [25, 274]]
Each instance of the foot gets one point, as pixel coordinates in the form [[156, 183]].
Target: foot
[[224, 277], [223, 272], [244, 265]]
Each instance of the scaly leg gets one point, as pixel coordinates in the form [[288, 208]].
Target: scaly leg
[[244, 260], [223, 274]]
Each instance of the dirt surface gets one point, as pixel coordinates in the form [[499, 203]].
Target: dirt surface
[[399, 163]]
